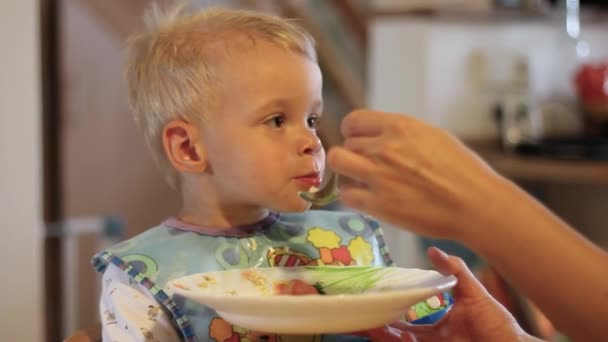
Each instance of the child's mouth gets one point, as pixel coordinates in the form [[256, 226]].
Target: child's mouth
[[310, 180]]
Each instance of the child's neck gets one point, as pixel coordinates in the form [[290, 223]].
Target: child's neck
[[215, 215], [201, 206], [222, 218]]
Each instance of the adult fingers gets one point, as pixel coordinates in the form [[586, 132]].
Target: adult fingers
[[367, 146], [418, 332], [350, 164], [359, 198], [367, 123], [384, 334], [346, 183], [414, 328], [408, 337], [468, 285]]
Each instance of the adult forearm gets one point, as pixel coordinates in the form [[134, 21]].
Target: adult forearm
[[548, 261]]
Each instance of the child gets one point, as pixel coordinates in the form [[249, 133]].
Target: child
[[229, 103]]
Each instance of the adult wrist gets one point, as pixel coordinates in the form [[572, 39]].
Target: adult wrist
[[493, 212]]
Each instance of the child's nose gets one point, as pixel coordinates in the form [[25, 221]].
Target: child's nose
[[310, 144]]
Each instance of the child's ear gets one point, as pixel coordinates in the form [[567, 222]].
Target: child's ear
[[184, 147]]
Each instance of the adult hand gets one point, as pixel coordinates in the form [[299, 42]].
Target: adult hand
[[423, 179], [475, 316], [397, 166]]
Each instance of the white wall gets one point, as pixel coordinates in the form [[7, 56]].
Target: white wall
[[20, 171], [439, 70]]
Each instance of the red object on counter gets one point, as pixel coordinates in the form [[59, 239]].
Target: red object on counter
[[592, 83]]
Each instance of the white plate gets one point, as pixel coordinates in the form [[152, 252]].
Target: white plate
[[356, 298]]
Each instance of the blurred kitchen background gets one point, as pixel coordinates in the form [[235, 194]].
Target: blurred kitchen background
[[523, 82]]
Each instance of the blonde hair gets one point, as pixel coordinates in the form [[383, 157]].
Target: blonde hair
[[174, 63]]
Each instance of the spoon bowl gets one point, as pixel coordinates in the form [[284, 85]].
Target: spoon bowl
[[329, 193]]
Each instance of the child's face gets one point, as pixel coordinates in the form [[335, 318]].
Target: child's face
[[261, 142]]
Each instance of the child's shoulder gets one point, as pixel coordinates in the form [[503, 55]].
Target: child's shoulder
[[150, 235], [131, 245], [151, 241]]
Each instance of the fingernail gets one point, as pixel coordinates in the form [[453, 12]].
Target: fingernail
[[442, 254]]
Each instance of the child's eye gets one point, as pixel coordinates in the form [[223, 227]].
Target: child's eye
[[276, 121], [313, 121]]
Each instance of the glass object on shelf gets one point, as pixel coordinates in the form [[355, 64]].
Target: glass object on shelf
[[507, 80], [573, 29], [572, 49], [577, 65]]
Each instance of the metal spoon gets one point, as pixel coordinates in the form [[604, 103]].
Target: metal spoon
[[326, 195]]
